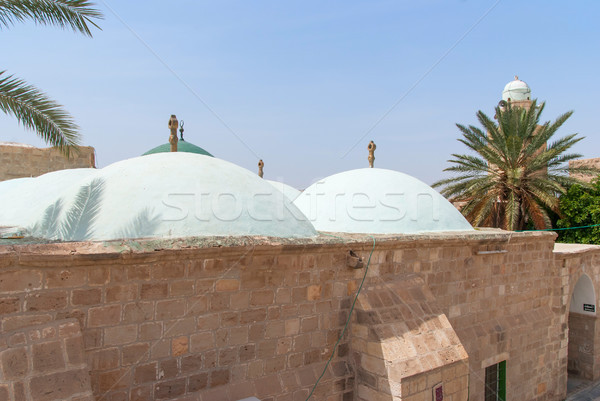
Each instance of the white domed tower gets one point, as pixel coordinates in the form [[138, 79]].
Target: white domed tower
[[517, 93]]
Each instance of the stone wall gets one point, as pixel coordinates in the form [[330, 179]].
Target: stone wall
[[226, 319], [18, 160], [402, 344], [595, 163], [582, 333], [44, 363], [572, 261]]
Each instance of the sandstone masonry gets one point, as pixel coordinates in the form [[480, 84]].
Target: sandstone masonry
[[224, 319], [17, 160]]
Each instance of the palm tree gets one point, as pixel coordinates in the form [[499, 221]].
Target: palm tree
[[30, 106], [515, 176]]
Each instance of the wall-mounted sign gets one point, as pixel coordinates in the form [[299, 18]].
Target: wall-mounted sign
[[589, 308], [438, 392]]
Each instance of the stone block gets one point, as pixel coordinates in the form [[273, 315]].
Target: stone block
[[135, 353], [219, 301], [219, 377], [85, 297], [150, 331], [227, 285], [267, 386], [59, 386], [168, 369], [167, 271], [202, 341], [181, 288], [198, 382], [4, 392], [15, 363], [64, 278], [170, 309], [74, 350], [9, 305], [113, 380], [104, 316], [253, 316], [121, 293], [180, 327], [314, 292], [145, 373], [179, 346], [20, 281], [47, 357], [98, 275], [169, 389], [154, 290], [137, 312], [45, 301], [103, 359], [120, 335], [191, 363]]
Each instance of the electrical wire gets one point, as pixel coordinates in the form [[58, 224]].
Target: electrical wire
[[561, 229], [347, 321]]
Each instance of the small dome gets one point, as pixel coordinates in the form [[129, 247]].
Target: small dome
[[171, 195], [290, 192], [516, 90], [21, 197], [378, 201], [182, 146]]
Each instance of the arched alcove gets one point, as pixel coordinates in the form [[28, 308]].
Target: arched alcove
[[583, 299], [582, 330]]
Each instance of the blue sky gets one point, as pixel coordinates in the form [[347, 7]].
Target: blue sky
[[305, 85]]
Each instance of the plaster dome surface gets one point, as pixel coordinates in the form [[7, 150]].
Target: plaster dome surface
[[13, 183], [516, 90], [23, 197], [290, 192], [174, 195], [378, 201]]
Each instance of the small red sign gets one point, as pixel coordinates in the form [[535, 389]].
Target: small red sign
[[439, 393]]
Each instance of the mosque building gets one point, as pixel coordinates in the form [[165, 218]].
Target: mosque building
[[200, 280], [517, 93]]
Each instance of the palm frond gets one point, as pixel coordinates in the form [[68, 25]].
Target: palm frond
[[514, 176], [36, 111], [75, 14]]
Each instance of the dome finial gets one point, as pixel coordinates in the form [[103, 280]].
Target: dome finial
[[516, 77], [261, 164], [181, 131], [173, 124], [371, 149]]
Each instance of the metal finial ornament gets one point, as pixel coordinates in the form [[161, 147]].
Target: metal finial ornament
[[371, 149], [516, 77], [261, 164], [173, 124], [181, 131]]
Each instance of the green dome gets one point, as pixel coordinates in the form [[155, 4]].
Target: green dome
[[182, 146]]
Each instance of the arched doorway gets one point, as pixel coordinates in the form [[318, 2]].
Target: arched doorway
[[582, 331]]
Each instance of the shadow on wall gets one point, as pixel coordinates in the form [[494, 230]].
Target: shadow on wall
[[402, 338], [77, 223]]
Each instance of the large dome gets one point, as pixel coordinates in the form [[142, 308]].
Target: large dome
[[516, 90], [171, 195], [290, 192], [378, 201], [8, 185], [182, 146], [22, 197]]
